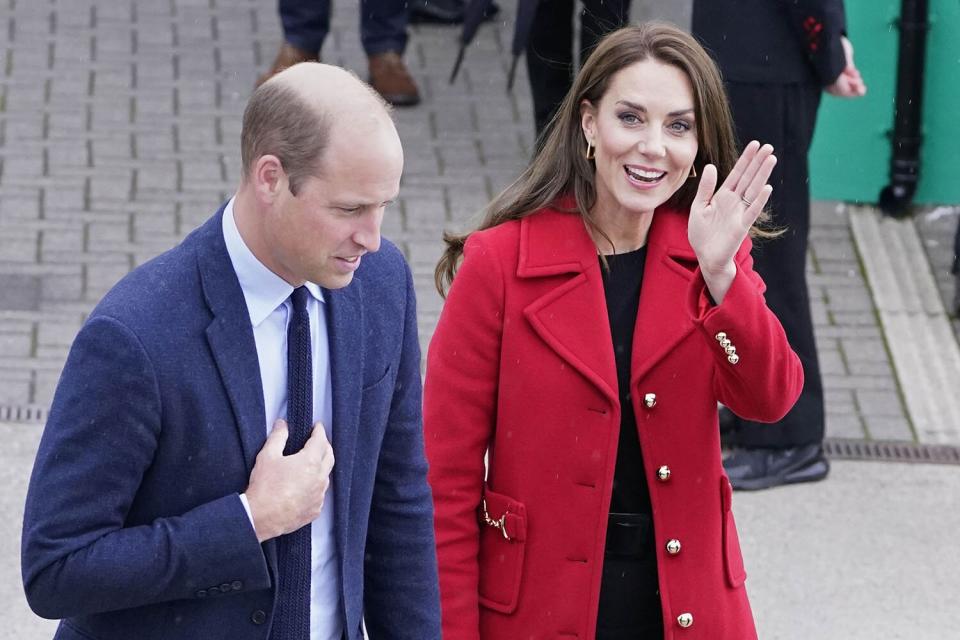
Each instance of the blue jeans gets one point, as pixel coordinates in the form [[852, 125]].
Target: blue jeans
[[383, 24]]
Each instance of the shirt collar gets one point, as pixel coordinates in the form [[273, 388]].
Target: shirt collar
[[263, 290]]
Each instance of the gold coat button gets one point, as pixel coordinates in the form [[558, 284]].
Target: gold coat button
[[733, 358], [721, 336], [650, 399], [730, 350], [663, 473], [725, 343], [673, 546], [685, 620]]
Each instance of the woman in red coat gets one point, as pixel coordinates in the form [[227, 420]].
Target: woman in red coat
[[602, 309]]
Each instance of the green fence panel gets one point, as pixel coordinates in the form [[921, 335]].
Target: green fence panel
[[850, 158]]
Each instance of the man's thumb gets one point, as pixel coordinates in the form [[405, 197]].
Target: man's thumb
[[277, 439]]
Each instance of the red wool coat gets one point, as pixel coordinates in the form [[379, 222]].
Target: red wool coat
[[522, 366]]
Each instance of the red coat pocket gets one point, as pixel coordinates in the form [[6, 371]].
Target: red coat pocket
[[503, 534], [732, 557]]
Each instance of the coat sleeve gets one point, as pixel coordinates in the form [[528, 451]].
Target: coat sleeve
[[401, 598], [819, 25], [78, 554], [762, 378], [459, 420]]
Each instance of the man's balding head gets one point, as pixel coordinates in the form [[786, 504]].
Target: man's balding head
[[298, 113]]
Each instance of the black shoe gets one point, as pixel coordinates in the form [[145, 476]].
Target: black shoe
[[753, 469]]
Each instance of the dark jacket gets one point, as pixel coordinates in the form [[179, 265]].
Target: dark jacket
[[773, 41], [133, 525]]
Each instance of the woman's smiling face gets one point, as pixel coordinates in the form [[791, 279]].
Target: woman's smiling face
[[645, 133]]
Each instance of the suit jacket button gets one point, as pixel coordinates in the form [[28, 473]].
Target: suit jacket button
[[213, 590], [202, 593], [236, 585], [258, 617], [225, 587]]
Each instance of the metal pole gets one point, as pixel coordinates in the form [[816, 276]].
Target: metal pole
[[907, 140]]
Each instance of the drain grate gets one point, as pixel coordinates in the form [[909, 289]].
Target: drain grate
[[891, 451], [22, 413]]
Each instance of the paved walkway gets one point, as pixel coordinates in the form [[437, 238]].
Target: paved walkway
[[119, 127]]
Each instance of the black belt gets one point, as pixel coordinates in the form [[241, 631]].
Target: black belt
[[629, 535]]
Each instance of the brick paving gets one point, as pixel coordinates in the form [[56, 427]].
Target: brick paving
[[119, 128]]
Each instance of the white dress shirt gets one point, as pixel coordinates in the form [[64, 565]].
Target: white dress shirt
[[268, 301]]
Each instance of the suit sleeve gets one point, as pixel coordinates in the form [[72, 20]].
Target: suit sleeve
[[401, 597], [762, 378], [78, 554], [819, 25], [459, 418]]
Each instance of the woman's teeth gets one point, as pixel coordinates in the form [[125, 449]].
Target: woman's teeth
[[645, 176]]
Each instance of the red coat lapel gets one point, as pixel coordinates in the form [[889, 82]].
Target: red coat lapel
[[671, 266], [570, 316]]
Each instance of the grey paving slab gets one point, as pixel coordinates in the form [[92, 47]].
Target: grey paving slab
[[869, 555], [919, 336]]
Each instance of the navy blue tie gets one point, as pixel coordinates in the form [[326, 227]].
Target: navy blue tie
[[292, 613]]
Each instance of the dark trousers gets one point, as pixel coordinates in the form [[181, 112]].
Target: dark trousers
[[629, 606], [383, 24], [784, 116], [550, 53]]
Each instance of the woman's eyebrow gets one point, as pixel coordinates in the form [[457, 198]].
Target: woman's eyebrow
[[640, 107]]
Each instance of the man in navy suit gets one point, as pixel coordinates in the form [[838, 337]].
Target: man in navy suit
[[169, 498]]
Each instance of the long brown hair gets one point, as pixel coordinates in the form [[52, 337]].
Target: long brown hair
[[559, 166]]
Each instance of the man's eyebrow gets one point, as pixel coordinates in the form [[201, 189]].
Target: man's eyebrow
[[643, 109]]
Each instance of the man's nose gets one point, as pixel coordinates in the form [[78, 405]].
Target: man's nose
[[367, 233]]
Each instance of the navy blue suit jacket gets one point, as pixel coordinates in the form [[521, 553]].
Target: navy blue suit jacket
[[133, 525]]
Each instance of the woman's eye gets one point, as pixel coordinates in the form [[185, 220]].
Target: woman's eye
[[680, 126], [629, 118]]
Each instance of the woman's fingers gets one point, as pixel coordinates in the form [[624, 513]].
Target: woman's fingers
[[733, 179], [760, 177], [754, 170], [756, 206]]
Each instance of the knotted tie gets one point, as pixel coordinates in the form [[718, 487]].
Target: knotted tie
[[292, 614]]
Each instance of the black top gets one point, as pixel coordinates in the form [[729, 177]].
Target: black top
[[621, 285]]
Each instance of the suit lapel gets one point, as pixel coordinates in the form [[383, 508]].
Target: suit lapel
[[230, 337], [571, 316], [345, 329]]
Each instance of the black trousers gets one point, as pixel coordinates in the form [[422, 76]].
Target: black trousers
[[550, 53], [629, 588], [784, 116]]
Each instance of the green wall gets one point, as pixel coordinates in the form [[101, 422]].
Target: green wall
[[850, 159]]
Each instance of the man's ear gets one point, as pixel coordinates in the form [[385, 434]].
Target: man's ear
[[269, 179], [588, 120]]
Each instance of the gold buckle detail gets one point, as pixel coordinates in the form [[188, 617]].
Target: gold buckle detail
[[500, 524]]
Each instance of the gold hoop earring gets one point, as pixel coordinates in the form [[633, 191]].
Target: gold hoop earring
[[591, 151], [693, 172]]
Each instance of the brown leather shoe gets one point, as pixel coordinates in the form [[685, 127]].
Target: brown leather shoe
[[288, 56], [389, 76]]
